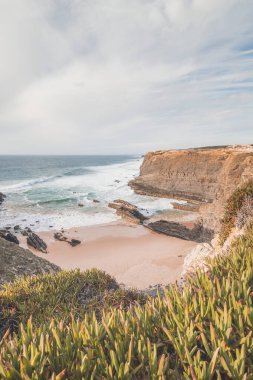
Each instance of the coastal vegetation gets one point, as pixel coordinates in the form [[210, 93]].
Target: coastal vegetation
[[203, 331], [83, 325]]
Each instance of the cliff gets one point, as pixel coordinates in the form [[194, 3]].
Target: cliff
[[206, 176]]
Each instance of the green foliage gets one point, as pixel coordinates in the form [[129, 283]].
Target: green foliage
[[62, 295], [202, 332], [233, 206]]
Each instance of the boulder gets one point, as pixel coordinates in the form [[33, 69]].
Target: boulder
[[6, 235], [128, 211], [74, 242], [36, 242], [26, 231], [59, 236]]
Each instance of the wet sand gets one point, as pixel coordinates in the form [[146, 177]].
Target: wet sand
[[133, 254]]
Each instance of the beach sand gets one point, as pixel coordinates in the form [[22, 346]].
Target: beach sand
[[133, 254]]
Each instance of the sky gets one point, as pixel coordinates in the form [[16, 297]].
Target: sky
[[124, 76]]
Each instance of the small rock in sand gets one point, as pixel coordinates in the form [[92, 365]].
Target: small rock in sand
[[59, 236], [74, 242]]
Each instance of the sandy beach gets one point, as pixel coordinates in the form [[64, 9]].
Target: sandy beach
[[133, 254]]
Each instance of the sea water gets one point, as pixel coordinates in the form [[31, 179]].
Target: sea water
[[46, 191]]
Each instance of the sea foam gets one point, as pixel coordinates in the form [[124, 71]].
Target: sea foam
[[53, 200]]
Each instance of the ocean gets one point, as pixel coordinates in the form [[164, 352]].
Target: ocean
[[44, 191]]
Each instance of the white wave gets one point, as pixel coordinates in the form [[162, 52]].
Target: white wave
[[104, 183], [25, 185]]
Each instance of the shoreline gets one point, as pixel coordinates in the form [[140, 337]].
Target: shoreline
[[136, 256]]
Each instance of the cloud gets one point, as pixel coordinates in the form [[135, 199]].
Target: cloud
[[125, 76]]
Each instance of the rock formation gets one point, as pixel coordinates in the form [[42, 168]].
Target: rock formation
[[195, 232], [204, 177], [2, 198], [74, 242], [16, 261], [7, 235], [61, 237], [128, 211], [36, 242]]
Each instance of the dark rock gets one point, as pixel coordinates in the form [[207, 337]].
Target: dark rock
[[51, 226], [117, 181], [80, 204], [36, 242], [2, 198], [16, 228], [17, 261], [6, 235], [195, 233], [96, 201], [127, 210], [59, 236], [74, 242], [8, 228]]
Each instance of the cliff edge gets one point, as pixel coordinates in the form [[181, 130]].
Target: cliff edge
[[203, 176]]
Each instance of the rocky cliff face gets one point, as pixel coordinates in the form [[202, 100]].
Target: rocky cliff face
[[16, 261], [206, 176]]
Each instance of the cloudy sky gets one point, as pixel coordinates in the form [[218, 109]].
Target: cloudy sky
[[124, 76]]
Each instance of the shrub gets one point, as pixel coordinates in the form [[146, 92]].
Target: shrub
[[245, 214], [232, 209], [61, 295]]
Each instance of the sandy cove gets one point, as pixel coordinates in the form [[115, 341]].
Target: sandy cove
[[133, 254]]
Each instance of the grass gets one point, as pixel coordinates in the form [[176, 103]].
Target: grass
[[202, 332]]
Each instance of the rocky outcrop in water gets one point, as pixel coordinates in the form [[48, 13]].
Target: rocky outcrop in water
[[16, 261], [204, 176], [2, 198], [128, 211]]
